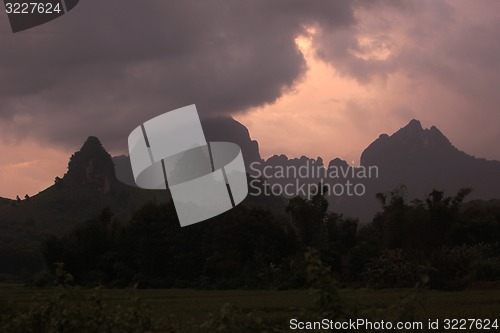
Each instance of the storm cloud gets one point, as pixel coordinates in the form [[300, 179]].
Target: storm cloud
[[109, 65], [437, 61]]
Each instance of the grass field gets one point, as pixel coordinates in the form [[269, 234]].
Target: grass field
[[191, 308]]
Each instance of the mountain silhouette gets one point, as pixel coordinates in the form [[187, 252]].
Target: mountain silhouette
[[92, 166], [424, 159], [227, 129], [410, 146], [421, 159], [89, 185], [224, 129]]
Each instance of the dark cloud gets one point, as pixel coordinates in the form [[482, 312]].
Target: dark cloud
[[448, 50], [109, 65]]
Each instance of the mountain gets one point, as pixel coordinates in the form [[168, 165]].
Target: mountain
[[91, 166], [223, 129], [421, 159], [89, 185], [424, 159], [411, 144], [229, 130]]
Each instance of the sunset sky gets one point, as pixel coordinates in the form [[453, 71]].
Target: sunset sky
[[307, 77]]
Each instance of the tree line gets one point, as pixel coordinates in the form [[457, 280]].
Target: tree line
[[439, 240]]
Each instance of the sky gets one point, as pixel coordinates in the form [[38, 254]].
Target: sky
[[306, 77]]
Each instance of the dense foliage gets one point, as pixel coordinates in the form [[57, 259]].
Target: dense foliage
[[439, 239]]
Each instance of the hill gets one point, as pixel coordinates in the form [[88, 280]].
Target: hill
[[424, 159], [89, 185], [5, 201], [218, 129], [421, 159]]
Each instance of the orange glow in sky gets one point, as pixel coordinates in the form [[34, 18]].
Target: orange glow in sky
[[317, 117], [29, 167]]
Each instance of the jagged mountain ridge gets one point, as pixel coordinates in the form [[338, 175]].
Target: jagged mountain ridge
[[411, 144], [90, 185], [223, 129], [422, 159]]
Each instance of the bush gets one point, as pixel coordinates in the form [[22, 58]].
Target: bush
[[396, 268], [43, 279], [70, 310], [458, 267]]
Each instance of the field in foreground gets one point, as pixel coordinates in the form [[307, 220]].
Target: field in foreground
[[194, 310]]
